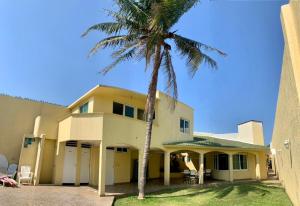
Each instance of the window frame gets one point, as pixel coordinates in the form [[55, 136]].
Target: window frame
[[124, 111], [185, 130], [240, 165]]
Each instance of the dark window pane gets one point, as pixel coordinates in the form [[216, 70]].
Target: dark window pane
[[186, 126], [117, 108], [243, 159], [236, 162], [84, 108], [129, 111], [181, 125], [141, 114], [223, 162]]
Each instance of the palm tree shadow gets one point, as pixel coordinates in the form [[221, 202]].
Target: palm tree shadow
[[242, 190], [190, 194]]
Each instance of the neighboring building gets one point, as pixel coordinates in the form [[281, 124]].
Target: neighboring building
[[286, 134], [99, 140]]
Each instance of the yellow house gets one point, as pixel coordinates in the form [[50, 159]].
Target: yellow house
[[98, 140], [286, 132]]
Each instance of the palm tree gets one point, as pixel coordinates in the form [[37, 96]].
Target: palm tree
[[142, 29]]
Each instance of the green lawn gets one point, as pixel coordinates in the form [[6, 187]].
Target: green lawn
[[230, 194]]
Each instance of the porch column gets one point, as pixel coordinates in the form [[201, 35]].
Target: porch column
[[102, 169], [167, 168], [230, 159], [38, 162], [201, 166], [257, 167]]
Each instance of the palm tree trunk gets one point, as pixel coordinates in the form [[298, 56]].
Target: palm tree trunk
[[150, 105]]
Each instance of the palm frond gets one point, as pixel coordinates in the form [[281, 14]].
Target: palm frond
[[112, 41], [108, 28], [125, 57], [168, 12], [193, 43], [194, 56], [171, 84], [132, 10]]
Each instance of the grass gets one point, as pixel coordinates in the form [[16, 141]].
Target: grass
[[248, 194]]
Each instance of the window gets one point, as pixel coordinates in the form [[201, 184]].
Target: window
[[129, 111], [141, 114], [221, 162], [84, 108], [184, 126], [240, 162], [117, 108]]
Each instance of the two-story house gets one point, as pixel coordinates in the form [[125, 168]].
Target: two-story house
[[99, 140]]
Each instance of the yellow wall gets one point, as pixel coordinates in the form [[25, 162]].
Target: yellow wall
[[154, 165], [287, 119], [18, 117], [46, 175], [122, 167], [28, 155]]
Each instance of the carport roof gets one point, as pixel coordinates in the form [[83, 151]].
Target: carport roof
[[206, 141]]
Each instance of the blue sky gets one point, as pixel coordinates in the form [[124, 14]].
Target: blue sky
[[42, 56]]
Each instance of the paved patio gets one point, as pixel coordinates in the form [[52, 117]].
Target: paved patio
[[52, 196], [83, 195]]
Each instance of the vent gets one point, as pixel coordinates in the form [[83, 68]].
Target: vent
[[86, 145], [71, 143], [110, 148], [121, 149]]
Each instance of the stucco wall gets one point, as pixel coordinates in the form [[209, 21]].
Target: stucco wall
[[17, 119], [287, 120], [46, 175]]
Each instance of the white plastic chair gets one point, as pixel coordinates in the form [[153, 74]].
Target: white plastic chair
[[25, 174]]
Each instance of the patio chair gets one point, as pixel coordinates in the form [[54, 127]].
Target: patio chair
[[25, 174], [208, 174], [194, 177], [186, 176], [12, 170]]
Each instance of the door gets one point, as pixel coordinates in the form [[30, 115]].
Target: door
[[85, 165], [110, 159], [69, 174]]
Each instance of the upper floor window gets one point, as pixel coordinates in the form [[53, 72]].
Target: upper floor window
[[141, 114], [184, 126], [117, 108], [84, 108], [129, 111], [239, 162]]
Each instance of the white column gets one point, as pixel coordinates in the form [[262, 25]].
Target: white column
[[257, 167], [230, 159], [201, 167], [167, 168], [102, 169]]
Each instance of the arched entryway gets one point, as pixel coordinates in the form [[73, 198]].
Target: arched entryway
[[184, 167]]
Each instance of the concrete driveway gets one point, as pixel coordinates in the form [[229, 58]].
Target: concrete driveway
[[52, 196]]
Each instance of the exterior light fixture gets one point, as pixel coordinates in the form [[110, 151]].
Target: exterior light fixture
[[286, 143]]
